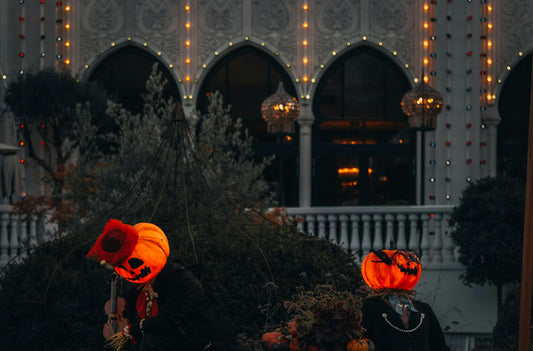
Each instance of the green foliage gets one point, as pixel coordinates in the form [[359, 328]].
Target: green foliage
[[158, 171], [505, 333], [54, 300], [50, 104], [326, 317]]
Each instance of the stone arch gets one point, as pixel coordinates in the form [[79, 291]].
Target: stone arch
[[346, 49], [361, 139], [233, 46], [113, 70], [246, 75], [513, 103]]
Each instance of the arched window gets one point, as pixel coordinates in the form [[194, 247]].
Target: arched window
[[513, 129], [246, 77], [123, 74], [361, 146]]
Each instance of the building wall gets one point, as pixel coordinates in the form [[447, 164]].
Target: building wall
[[453, 153]]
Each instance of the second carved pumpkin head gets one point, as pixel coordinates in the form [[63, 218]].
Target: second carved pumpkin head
[[391, 269], [137, 253]]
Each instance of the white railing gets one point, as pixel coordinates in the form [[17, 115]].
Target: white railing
[[18, 236], [361, 229]]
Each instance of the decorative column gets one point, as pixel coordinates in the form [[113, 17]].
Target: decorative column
[[306, 123]]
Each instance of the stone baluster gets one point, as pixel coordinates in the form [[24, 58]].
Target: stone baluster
[[310, 224], [449, 244], [413, 233], [344, 241], [378, 233], [355, 244], [437, 240], [367, 242], [33, 233], [300, 225], [401, 243], [14, 238], [389, 233], [24, 243], [424, 243], [4, 242], [321, 226], [332, 219]]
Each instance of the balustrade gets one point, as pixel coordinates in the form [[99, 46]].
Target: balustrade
[[361, 229]]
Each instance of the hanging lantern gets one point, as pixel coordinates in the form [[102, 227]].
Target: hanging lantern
[[422, 105], [280, 111]]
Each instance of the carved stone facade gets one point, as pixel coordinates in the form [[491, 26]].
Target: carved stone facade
[[330, 28]]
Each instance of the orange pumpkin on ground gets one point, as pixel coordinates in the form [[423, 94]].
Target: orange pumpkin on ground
[[362, 344], [276, 341], [391, 269]]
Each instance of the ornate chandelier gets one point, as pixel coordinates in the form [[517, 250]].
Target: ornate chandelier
[[280, 111], [422, 105]]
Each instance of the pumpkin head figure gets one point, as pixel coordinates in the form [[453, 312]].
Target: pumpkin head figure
[[137, 253], [391, 269]]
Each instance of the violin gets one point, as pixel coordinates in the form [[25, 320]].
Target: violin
[[115, 309]]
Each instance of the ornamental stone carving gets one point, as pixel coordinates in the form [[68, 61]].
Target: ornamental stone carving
[[103, 16], [269, 16], [338, 15], [516, 21], [157, 16], [386, 16], [219, 22]]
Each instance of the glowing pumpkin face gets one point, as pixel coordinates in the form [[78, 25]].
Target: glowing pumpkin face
[[148, 257], [391, 269], [137, 253]]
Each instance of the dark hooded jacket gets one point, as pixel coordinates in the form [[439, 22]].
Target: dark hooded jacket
[[388, 333], [186, 319]]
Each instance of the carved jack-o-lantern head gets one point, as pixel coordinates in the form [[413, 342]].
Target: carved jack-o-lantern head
[[391, 269], [137, 253]]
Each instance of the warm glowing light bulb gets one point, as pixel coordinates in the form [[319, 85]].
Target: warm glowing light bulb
[[489, 79], [426, 43], [67, 26], [187, 60], [426, 25], [188, 78], [305, 60], [489, 8], [67, 44], [305, 25], [489, 43], [489, 61], [489, 25], [304, 43], [305, 7], [305, 79], [426, 7], [489, 97], [187, 8], [187, 43], [67, 62], [426, 61], [188, 25], [67, 8], [426, 79]]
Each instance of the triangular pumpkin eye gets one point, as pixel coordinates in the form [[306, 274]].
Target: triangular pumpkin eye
[[135, 262]]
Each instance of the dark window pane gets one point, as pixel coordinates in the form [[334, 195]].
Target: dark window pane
[[246, 78]]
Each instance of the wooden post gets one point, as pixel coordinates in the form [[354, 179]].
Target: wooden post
[[527, 253]]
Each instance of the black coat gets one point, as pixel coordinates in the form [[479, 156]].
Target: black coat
[[427, 337], [186, 319]]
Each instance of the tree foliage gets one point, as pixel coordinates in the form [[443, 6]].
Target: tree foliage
[[48, 106], [488, 229], [199, 186]]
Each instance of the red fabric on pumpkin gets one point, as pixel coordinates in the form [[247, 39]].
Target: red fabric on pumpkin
[[115, 244]]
